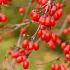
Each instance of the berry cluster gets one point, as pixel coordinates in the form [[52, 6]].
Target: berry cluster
[[66, 31], [21, 54], [66, 49], [58, 67], [3, 18], [49, 37], [50, 13], [4, 2]]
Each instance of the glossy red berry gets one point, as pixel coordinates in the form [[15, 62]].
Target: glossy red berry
[[23, 31], [52, 22], [42, 20], [30, 47], [25, 43], [21, 10], [35, 16], [19, 59], [47, 21], [35, 46], [51, 44], [39, 33], [63, 45], [59, 12], [26, 65], [67, 49], [15, 54], [3, 18], [21, 51], [53, 10]]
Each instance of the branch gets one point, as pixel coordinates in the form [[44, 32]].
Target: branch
[[59, 33]]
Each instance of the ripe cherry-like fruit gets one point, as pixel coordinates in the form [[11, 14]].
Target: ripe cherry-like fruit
[[19, 59], [42, 20], [21, 10], [3, 18], [35, 46], [23, 31], [25, 43], [35, 16], [26, 65], [53, 10]]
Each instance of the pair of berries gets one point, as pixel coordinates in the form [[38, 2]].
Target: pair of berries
[[58, 67], [66, 49], [4, 2]]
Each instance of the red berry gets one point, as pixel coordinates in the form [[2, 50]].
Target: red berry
[[35, 46], [53, 67], [54, 37], [58, 5], [53, 10], [21, 10], [60, 12], [42, 20], [65, 31], [19, 59], [39, 33], [56, 17], [62, 67], [47, 21], [3, 18], [26, 65], [51, 44], [15, 54], [67, 49], [43, 36], [30, 47], [25, 43], [63, 45], [35, 16], [57, 67], [47, 36], [21, 51], [68, 18], [23, 31], [52, 22]]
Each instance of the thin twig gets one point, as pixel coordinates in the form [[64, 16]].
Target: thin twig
[[49, 61], [33, 37], [62, 27]]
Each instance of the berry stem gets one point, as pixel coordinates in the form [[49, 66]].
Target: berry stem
[[62, 27]]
